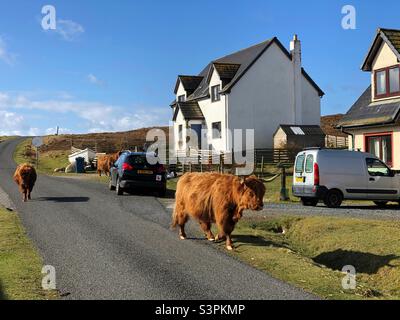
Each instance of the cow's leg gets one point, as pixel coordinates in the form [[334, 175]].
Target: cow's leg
[[180, 219], [25, 195], [225, 228], [29, 192], [206, 227], [99, 172]]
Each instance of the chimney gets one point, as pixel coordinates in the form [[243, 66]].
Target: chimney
[[295, 51]]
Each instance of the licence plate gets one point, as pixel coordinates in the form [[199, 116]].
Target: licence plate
[[300, 179], [145, 172]]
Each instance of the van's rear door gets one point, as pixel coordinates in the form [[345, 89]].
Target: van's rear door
[[299, 177]]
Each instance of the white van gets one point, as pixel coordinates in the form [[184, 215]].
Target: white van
[[336, 175]]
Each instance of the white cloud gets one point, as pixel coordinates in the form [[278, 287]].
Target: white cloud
[[94, 80], [12, 124], [69, 30], [90, 116], [6, 56]]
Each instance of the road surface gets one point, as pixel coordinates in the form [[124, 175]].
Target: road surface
[[108, 247]]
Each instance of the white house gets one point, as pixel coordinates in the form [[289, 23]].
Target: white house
[[258, 88]]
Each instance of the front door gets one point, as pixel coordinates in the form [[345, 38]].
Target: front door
[[197, 129], [381, 184]]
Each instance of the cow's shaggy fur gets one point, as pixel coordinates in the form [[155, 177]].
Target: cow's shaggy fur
[[104, 163], [216, 198], [25, 176]]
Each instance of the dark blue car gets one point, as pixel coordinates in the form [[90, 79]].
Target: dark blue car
[[132, 171]]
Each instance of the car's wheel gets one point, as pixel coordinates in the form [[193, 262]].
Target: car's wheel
[[333, 199], [307, 202], [118, 188], [111, 186], [162, 192], [381, 204]]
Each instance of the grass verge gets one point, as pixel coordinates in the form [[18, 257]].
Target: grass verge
[[48, 161], [20, 264], [313, 250]]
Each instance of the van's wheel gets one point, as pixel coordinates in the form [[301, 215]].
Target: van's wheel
[[118, 188], [333, 199], [111, 186], [307, 202], [381, 204]]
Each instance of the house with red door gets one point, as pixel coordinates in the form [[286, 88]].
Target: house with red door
[[373, 122]]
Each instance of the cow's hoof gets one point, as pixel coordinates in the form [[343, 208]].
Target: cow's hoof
[[182, 237], [229, 248], [211, 239]]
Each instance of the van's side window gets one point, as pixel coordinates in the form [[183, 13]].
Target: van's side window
[[377, 168], [300, 163], [310, 163]]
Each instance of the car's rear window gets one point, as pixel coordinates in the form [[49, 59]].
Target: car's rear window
[[138, 161], [310, 163], [300, 163]]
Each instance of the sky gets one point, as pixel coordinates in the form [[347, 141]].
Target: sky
[[112, 65]]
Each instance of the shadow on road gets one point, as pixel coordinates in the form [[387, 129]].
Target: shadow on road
[[64, 199], [363, 262]]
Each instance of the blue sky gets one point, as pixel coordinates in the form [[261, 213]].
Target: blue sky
[[112, 65]]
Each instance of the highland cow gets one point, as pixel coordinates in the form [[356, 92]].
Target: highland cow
[[216, 198], [25, 176]]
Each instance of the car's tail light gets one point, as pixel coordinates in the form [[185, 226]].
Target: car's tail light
[[127, 166], [316, 174], [160, 168]]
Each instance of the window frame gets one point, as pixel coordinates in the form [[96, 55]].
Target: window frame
[[368, 136], [383, 164], [296, 167], [310, 156], [387, 75], [182, 98], [214, 131], [217, 97], [180, 133]]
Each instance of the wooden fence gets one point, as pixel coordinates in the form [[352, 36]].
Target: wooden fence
[[336, 142]]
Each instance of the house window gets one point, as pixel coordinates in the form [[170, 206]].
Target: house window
[[387, 82], [215, 93], [181, 98], [216, 130], [180, 133], [380, 146]]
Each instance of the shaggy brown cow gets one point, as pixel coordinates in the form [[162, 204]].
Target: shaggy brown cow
[[25, 176], [216, 198], [104, 163]]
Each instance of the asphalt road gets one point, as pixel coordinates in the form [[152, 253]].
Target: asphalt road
[[108, 247]]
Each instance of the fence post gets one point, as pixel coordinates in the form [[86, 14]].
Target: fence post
[[262, 166], [283, 196]]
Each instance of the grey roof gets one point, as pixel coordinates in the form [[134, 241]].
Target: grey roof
[[190, 110], [190, 83], [309, 130], [391, 37], [367, 113], [235, 65]]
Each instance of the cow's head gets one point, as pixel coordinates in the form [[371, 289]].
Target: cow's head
[[253, 193]]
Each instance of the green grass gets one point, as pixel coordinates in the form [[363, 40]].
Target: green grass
[[313, 250], [20, 264], [47, 161]]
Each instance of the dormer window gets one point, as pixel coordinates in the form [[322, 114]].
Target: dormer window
[[181, 98], [215, 93], [387, 82]]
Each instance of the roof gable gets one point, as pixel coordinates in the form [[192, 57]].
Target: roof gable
[[389, 36], [190, 111], [189, 83], [235, 65]]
